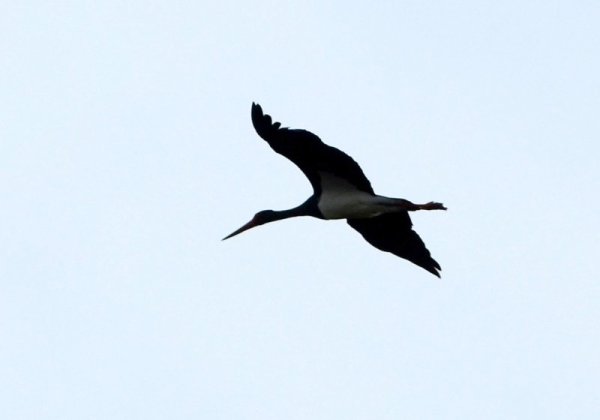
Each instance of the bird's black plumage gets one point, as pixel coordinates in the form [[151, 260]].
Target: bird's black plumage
[[392, 232], [389, 231], [308, 152]]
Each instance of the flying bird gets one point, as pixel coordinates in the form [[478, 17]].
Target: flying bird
[[342, 191]]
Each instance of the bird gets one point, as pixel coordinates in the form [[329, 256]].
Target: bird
[[342, 191]]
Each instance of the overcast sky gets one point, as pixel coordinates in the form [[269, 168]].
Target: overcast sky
[[127, 153]]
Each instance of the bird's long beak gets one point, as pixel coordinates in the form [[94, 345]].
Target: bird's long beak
[[247, 226]]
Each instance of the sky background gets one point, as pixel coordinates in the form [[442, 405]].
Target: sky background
[[127, 153]]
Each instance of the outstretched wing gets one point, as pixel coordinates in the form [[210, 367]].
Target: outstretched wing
[[308, 152], [392, 232]]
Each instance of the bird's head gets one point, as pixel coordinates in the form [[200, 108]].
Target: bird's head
[[260, 218]]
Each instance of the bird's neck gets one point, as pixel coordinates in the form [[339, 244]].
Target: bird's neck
[[308, 208]]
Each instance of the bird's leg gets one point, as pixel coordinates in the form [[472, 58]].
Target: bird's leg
[[409, 206], [432, 205]]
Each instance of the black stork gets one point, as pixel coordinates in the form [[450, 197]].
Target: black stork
[[342, 191]]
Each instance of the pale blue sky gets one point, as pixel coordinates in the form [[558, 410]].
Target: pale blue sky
[[127, 153]]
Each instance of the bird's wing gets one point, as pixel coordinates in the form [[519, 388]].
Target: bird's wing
[[392, 232], [308, 152]]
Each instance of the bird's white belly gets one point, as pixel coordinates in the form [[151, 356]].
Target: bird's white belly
[[354, 205], [341, 200]]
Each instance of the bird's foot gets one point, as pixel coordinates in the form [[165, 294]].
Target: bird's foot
[[432, 205]]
